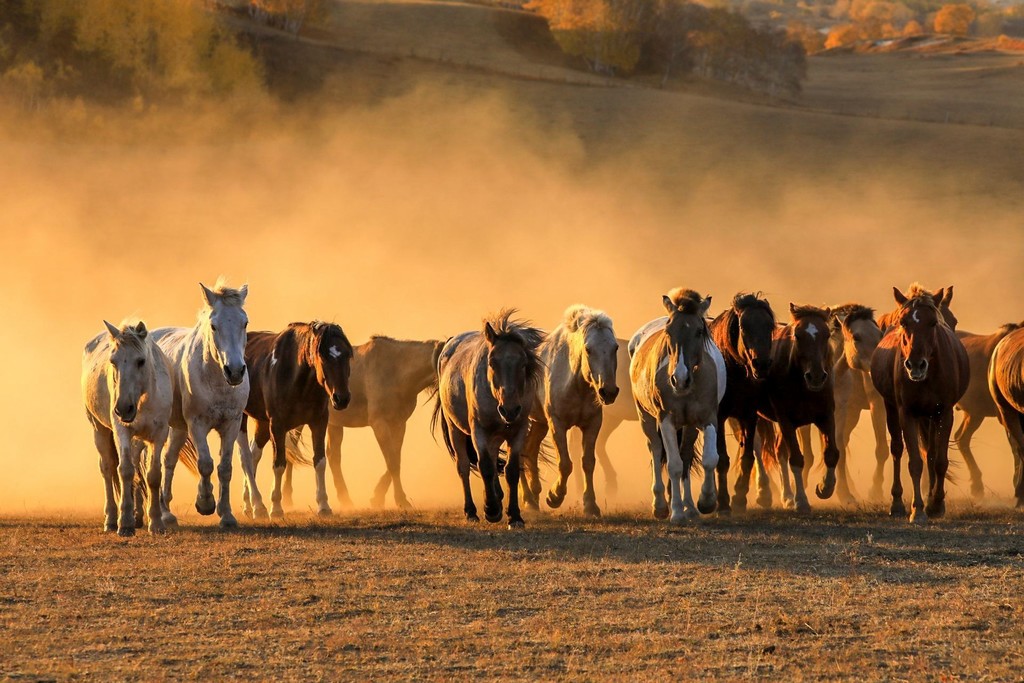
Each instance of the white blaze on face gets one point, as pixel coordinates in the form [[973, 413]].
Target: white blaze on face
[[273, 358], [914, 316], [812, 330], [335, 353]]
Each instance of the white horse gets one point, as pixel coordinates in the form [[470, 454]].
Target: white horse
[[211, 387], [126, 385], [678, 380]]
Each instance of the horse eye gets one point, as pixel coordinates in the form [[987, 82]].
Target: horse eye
[[856, 338], [213, 327], [141, 362]]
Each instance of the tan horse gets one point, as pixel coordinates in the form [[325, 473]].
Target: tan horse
[[387, 376], [580, 361], [126, 385], [1006, 383]]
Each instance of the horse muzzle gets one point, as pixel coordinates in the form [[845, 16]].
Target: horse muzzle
[[126, 414], [917, 372], [340, 401], [607, 395], [815, 383], [509, 415], [234, 374]]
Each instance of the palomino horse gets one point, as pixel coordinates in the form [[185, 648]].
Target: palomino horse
[[211, 386], [977, 403], [921, 370], [387, 376], [580, 361], [487, 386], [743, 333], [126, 384], [799, 392], [678, 377], [297, 376], [1006, 383]]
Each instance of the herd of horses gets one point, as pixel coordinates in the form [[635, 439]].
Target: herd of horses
[[503, 392]]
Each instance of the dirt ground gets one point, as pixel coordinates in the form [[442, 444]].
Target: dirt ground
[[424, 595]]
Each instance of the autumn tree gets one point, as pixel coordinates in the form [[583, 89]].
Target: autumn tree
[[811, 38], [912, 28], [954, 20], [843, 35]]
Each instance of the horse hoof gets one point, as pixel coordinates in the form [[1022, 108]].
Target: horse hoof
[[286, 501], [661, 511], [936, 510], [403, 503], [706, 507], [248, 513], [897, 509], [140, 523], [531, 505], [739, 505], [260, 514], [169, 520], [802, 506], [109, 526], [325, 512], [156, 528], [824, 490], [764, 499], [978, 490], [277, 513], [377, 503], [516, 524], [493, 517], [611, 487], [228, 521], [847, 499], [591, 509], [918, 516], [126, 531], [206, 507], [554, 500], [471, 517]]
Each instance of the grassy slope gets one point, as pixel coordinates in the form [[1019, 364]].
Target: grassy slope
[[825, 597]]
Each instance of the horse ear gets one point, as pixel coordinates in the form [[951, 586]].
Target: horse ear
[[141, 330], [244, 292], [705, 305], [209, 294], [938, 295], [947, 298], [489, 333], [792, 308], [828, 313], [667, 302], [900, 297], [115, 333], [837, 322]]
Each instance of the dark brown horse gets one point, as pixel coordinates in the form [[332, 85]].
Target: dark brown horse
[[296, 376], [1006, 383], [977, 403], [798, 392], [921, 370], [487, 385], [743, 333]]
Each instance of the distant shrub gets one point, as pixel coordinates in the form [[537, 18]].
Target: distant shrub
[[913, 28], [289, 15], [954, 20], [843, 35]]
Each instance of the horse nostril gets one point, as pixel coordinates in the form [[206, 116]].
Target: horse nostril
[[908, 365]]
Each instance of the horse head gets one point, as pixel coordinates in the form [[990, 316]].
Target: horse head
[[810, 351], [918, 318], [596, 350], [512, 364], [129, 375], [686, 334], [754, 323], [331, 355], [859, 334], [226, 322]]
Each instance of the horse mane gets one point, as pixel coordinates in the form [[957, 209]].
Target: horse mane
[[228, 295], [130, 335], [808, 311], [317, 331], [522, 332], [850, 313], [687, 300], [1007, 328], [726, 334], [581, 318]]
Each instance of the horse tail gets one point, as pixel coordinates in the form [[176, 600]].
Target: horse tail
[[295, 449], [769, 444], [189, 457]]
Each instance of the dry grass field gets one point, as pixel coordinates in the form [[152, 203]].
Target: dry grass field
[[423, 595]]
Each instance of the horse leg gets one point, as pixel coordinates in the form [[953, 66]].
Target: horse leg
[[807, 448], [764, 482], [556, 494], [178, 436], [911, 436], [846, 422], [670, 442], [590, 432], [287, 491], [749, 429], [318, 431], [938, 462], [709, 461], [335, 437], [878, 426], [657, 449], [611, 478], [722, 470], [228, 432], [487, 461], [139, 487], [829, 454], [104, 440], [892, 421], [248, 455], [459, 442], [575, 438], [205, 502], [968, 426], [153, 478], [782, 452], [126, 475], [512, 473], [389, 438], [279, 436], [245, 460], [529, 466]]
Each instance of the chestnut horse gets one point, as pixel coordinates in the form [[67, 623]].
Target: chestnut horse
[[487, 385], [1006, 383], [921, 369], [799, 391], [743, 333]]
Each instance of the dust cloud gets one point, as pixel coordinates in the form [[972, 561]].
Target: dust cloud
[[416, 214]]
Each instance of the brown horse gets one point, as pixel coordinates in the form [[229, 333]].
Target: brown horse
[[296, 376], [1006, 384], [487, 385], [977, 403], [743, 333], [944, 297], [799, 391], [387, 376], [921, 370]]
